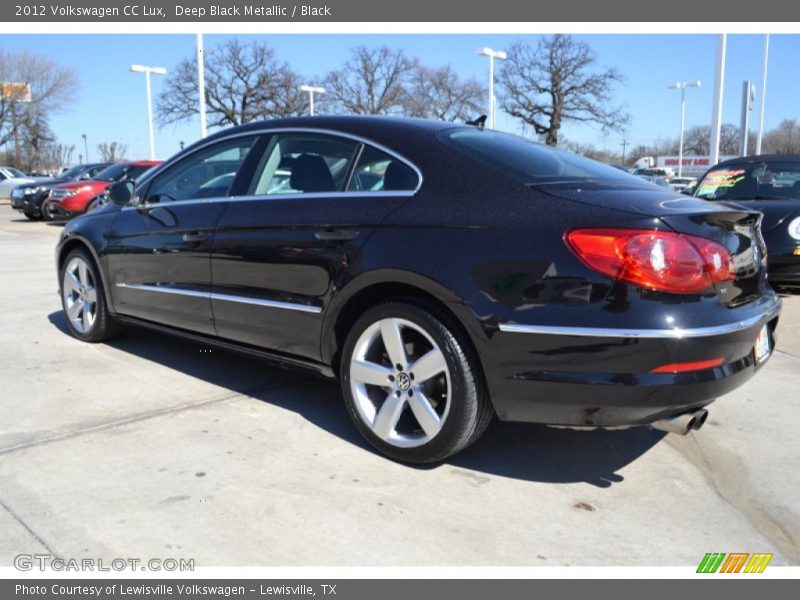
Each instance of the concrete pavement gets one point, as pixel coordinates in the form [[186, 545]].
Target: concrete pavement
[[154, 447]]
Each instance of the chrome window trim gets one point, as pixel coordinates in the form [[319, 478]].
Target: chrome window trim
[[298, 196], [269, 131], [224, 297], [674, 334]]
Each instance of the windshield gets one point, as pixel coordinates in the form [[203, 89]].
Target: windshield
[[73, 172], [530, 162], [751, 181], [112, 173]]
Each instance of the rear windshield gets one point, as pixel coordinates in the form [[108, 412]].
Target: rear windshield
[[530, 162], [751, 181]]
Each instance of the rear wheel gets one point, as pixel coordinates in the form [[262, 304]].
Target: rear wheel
[[412, 383], [84, 300]]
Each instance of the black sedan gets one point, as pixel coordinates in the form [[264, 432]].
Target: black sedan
[[29, 199], [444, 273], [769, 184]]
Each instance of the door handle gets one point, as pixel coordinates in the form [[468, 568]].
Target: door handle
[[196, 236], [336, 235]]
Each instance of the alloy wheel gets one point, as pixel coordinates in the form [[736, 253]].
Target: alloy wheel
[[80, 295], [400, 382]]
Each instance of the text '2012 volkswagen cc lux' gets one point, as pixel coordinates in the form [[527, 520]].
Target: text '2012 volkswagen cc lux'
[[444, 273]]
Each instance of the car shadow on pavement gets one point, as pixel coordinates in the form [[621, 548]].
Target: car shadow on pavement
[[516, 450]]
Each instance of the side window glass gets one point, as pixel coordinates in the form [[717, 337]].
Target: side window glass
[[303, 163], [207, 173], [378, 171]]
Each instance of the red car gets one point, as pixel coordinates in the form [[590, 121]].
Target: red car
[[74, 198]]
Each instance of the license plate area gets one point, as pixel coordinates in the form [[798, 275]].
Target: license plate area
[[762, 348]]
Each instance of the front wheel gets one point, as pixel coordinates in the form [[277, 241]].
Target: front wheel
[[45, 211], [84, 300], [33, 216], [412, 383]]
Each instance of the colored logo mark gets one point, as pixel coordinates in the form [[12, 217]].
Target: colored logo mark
[[734, 562]]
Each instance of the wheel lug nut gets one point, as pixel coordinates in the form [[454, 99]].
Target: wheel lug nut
[[391, 377], [399, 368], [412, 376], [397, 393], [410, 393]]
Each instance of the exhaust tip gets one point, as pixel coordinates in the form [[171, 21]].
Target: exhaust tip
[[682, 424], [700, 418]]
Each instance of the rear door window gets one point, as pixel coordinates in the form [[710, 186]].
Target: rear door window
[[303, 163]]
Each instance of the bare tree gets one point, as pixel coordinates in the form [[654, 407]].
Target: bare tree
[[244, 82], [590, 151], [112, 152], [554, 82], [440, 94], [784, 139], [697, 140], [51, 86], [374, 81], [60, 155]]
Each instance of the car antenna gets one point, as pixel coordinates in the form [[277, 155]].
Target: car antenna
[[479, 122]]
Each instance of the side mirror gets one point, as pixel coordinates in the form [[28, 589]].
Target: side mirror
[[121, 192]]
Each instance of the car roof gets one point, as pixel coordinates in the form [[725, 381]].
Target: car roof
[[739, 160], [379, 128], [141, 163]]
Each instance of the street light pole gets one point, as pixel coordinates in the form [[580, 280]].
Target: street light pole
[[311, 90], [201, 85], [682, 85], [763, 95], [716, 107], [492, 54], [147, 71], [85, 146]]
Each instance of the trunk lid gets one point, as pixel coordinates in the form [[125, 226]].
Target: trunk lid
[[736, 228]]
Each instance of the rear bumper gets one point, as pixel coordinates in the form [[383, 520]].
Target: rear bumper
[[603, 378], [784, 268]]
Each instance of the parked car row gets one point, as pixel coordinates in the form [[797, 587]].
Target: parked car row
[[74, 192]]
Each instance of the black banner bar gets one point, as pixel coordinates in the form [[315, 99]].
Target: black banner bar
[[473, 11], [384, 589]]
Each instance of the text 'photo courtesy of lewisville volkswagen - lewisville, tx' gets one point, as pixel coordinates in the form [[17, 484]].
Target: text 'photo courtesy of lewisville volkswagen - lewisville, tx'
[[493, 302]]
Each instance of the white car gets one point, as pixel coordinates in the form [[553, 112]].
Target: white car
[[11, 178], [680, 184]]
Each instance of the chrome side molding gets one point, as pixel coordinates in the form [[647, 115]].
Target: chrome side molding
[[163, 289]]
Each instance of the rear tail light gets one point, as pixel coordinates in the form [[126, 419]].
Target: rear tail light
[[657, 260]]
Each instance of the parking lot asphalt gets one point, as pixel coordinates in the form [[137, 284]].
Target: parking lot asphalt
[[153, 447]]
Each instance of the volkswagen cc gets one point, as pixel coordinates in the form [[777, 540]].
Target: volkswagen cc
[[445, 274]]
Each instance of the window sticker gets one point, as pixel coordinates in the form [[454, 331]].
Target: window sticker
[[720, 180]]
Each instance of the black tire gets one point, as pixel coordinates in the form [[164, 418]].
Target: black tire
[[470, 410], [44, 211], [33, 216], [104, 326]]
